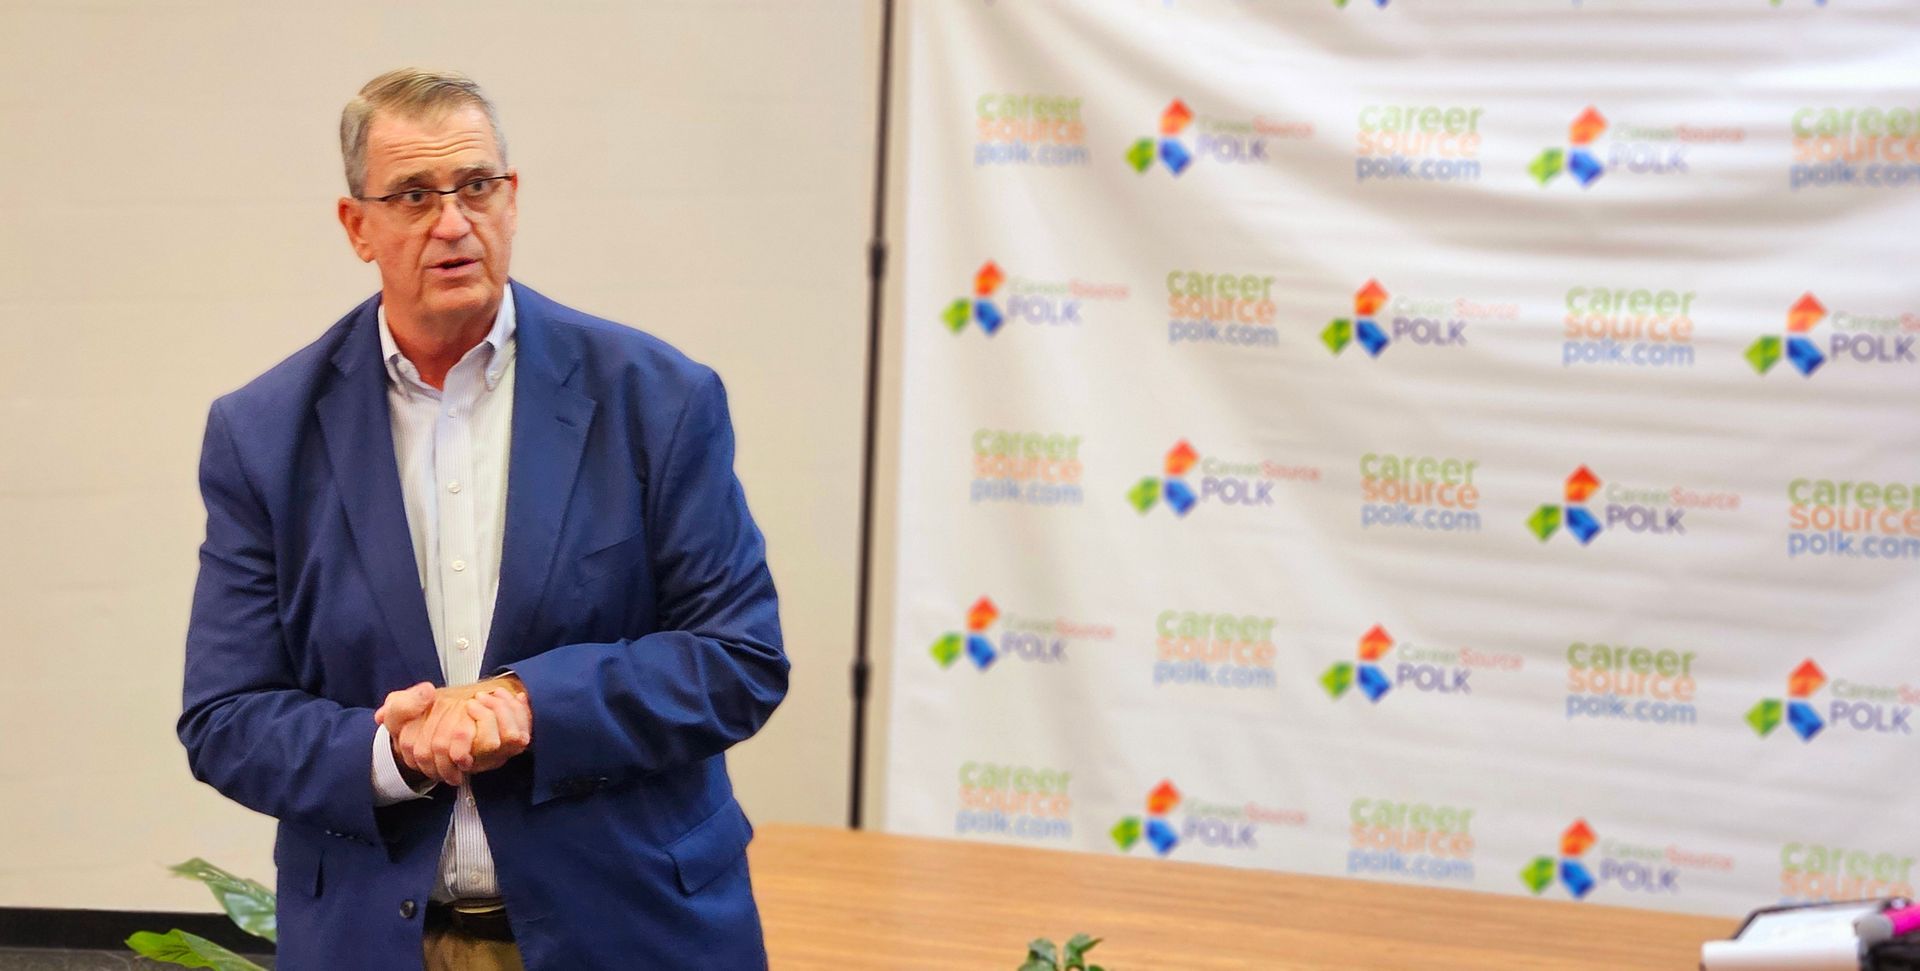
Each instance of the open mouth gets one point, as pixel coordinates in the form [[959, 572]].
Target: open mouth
[[454, 264]]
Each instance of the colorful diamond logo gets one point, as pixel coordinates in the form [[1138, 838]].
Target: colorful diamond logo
[[1179, 497], [1805, 680], [946, 650], [1582, 524], [1374, 683], [1140, 155], [980, 651], [1538, 875], [1371, 337], [1163, 798], [1585, 167], [1181, 458], [1174, 120], [1577, 839], [957, 314], [1578, 881], [1806, 314], [982, 615], [1804, 355], [1337, 679], [1547, 164], [1144, 494], [1375, 643], [1369, 299], [1337, 335], [988, 315], [1805, 721], [1581, 484], [1586, 127], [1764, 354], [1544, 521], [1764, 716], [1162, 836], [987, 280], [1125, 833], [1175, 155]]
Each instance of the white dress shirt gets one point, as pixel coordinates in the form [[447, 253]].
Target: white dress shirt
[[451, 445]]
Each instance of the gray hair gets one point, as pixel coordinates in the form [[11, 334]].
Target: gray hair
[[412, 93]]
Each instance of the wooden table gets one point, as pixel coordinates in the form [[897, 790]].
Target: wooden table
[[832, 898]]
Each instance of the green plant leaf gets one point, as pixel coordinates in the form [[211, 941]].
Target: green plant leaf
[[248, 903], [1095, 967], [1036, 964], [188, 950], [1041, 949], [1075, 954]]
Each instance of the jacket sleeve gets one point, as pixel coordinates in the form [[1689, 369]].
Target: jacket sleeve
[[250, 732], [713, 672]]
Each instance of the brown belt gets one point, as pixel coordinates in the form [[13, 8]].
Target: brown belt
[[484, 918]]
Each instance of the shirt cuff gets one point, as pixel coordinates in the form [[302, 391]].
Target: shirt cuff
[[389, 786]]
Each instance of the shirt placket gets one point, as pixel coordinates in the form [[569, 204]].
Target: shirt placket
[[461, 584]]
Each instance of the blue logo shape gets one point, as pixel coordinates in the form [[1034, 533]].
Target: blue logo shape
[[1805, 721], [1584, 166], [988, 315], [1161, 836], [980, 651], [1371, 337], [1374, 683], [1582, 524], [1179, 496], [1805, 355], [1175, 155], [1574, 874]]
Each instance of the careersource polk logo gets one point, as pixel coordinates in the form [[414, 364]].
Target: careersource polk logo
[[1172, 819], [1029, 129], [1813, 871], [1419, 492], [1852, 706], [1217, 650], [1594, 148], [1866, 148], [1630, 684], [1186, 138], [1436, 671], [1014, 801], [1855, 339], [1027, 639], [1235, 309], [1025, 468], [1587, 863], [1634, 509], [1427, 322], [1623, 327], [1413, 840], [998, 299], [1221, 481], [1419, 143], [1853, 519]]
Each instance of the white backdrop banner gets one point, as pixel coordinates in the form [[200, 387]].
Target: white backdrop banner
[[1464, 443]]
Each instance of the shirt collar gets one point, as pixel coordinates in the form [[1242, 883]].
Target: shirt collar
[[497, 345]]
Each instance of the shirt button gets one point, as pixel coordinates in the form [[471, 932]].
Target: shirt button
[[469, 800], [459, 566], [453, 487], [460, 643], [407, 908]]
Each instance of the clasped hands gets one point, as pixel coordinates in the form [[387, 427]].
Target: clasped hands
[[448, 734]]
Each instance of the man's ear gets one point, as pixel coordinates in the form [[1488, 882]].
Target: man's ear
[[352, 215]]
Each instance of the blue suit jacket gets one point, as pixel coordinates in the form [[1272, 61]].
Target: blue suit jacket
[[634, 602]]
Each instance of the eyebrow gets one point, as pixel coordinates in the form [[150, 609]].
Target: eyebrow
[[424, 180]]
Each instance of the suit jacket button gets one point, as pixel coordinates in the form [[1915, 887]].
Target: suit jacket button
[[406, 909]]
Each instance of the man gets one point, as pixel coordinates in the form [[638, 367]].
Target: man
[[480, 604]]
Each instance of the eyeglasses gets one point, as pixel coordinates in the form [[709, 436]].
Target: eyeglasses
[[474, 195]]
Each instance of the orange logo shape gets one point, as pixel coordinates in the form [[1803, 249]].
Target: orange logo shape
[[1587, 127], [1163, 798], [1806, 314], [1174, 120], [1369, 298], [1581, 484], [1375, 643], [1180, 458], [1577, 839], [987, 280], [1806, 679], [982, 615]]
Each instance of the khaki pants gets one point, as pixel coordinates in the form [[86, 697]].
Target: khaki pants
[[448, 950]]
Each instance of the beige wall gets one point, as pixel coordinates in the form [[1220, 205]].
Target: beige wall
[[167, 176]]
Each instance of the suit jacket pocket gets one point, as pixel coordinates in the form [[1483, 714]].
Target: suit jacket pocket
[[710, 848], [297, 864], [620, 555]]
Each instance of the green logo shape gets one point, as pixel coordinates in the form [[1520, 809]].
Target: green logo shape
[[1126, 832], [1765, 716], [1538, 875], [1337, 335], [1764, 354], [1140, 156], [946, 650], [1144, 494], [1337, 679], [1547, 164], [956, 314], [1544, 521]]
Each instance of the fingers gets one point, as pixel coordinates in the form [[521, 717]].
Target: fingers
[[486, 729], [508, 722], [516, 719], [453, 737], [428, 754], [404, 705]]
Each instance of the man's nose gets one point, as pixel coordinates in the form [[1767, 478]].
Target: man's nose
[[452, 221]]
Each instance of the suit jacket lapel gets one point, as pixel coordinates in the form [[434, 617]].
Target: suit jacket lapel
[[359, 437], [550, 422]]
